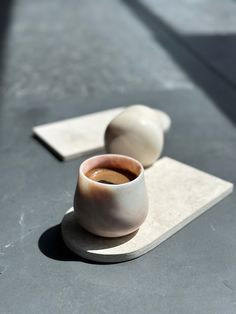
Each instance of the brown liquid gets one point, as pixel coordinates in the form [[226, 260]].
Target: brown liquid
[[111, 176]]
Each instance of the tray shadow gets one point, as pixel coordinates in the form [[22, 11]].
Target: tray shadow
[[51, 244]]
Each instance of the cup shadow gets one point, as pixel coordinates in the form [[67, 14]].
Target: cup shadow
[[51, 244]]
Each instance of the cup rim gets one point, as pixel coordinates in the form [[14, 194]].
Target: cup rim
[[81, 172]]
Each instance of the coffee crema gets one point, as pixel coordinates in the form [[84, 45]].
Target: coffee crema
[[111, 175]]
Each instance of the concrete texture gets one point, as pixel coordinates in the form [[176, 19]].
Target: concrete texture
[[209, 27], [56, 50], [206, 29], [121, 59]]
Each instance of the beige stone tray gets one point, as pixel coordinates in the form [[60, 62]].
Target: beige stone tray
[[74, 137], [177, 193]]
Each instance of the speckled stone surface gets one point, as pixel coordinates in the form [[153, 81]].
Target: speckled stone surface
[[177, 194], [74, 137]]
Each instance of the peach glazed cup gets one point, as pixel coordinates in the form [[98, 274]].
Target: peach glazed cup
[[109, 210]]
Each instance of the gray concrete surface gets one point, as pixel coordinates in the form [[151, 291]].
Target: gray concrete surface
[[57, 50], [62, 59], [208, 27]]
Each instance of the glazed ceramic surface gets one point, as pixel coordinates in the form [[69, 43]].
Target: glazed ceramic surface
[[111, 210], [138, 132]]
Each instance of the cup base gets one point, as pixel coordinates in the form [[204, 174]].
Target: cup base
[[97, 248]]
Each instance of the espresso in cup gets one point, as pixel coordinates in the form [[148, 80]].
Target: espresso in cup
[[110, 197], [111, 175]]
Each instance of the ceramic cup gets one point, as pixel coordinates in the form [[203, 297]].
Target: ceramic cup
[[111, 210]]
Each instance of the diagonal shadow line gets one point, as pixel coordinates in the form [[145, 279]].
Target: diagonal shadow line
[[211, 80], [5, 18], [153, 22]]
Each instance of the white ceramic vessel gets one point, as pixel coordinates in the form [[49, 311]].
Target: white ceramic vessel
[[138, 132], [111, 210]]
